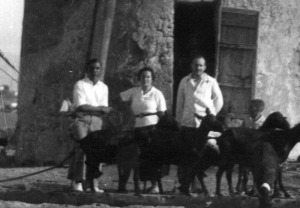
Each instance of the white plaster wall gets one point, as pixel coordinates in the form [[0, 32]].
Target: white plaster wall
[[278, 70]]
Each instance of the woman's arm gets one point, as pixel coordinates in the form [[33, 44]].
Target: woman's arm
[[160, 113]]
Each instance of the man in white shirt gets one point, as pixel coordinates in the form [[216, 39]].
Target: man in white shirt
[[197, 92], [90, 99]]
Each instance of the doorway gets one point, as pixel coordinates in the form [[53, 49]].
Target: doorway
[[194, 33]]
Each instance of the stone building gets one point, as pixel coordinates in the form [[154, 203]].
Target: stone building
[[251, 46]]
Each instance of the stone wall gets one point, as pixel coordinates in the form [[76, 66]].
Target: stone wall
[[142, 36], [56, 40], [278, 66], [55, 45]]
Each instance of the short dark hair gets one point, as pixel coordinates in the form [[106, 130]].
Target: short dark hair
[[93, 60], [260, 104], [198, 56], [146, 69]]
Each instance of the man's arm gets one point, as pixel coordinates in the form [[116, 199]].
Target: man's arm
[[79, 99], [90, 108]]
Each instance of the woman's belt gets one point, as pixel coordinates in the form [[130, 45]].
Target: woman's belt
[[141, 115], [91, 113]]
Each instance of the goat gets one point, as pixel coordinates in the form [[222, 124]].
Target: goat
[[236, 145], [273, 151], [112, 146], [168, 147], [166, 127], [274, 120]]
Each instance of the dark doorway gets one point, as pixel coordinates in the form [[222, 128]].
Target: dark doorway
[[194, 33]]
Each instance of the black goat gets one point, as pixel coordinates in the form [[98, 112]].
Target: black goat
[[274, 120], [168, 147], [112, 146], [273, 151], [236, 146], [167, 127]]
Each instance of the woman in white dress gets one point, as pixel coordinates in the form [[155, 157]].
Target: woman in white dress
[[148, 105]]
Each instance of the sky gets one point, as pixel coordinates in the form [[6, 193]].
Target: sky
[[11, 20]]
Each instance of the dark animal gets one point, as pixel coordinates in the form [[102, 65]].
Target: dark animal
[[112, 146], [213, 157], [237, 145], [273, 151], [168, 126], [274, 120], [167, 147]]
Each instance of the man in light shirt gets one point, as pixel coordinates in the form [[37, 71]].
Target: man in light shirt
[[90, 99], [197, 92]]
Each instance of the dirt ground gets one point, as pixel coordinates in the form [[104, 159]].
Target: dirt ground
[[52, 187]]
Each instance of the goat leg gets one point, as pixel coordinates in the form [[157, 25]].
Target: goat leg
[[200, 176], [160, 187], [136, 178], [124, 173], [279, 182], [185, 179], [121, 181], [219, 178], [145, 187], [239, 182], [229, 179]]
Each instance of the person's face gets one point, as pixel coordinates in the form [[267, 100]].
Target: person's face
[[94, 70], [146, 78], [254, 111], [198, 66]]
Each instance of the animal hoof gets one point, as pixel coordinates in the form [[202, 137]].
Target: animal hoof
[[122, 191], [198, 191], [252, 192], [207, 194], [184, 191], [137, 193]]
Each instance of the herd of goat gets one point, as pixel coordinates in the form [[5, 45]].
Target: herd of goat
[[260, 151]]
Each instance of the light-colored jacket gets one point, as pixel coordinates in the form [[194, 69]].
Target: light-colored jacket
[[192, 98]]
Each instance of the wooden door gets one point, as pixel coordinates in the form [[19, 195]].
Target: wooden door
[[237, 59]]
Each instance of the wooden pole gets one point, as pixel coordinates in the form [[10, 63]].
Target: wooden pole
[[103, 24]]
